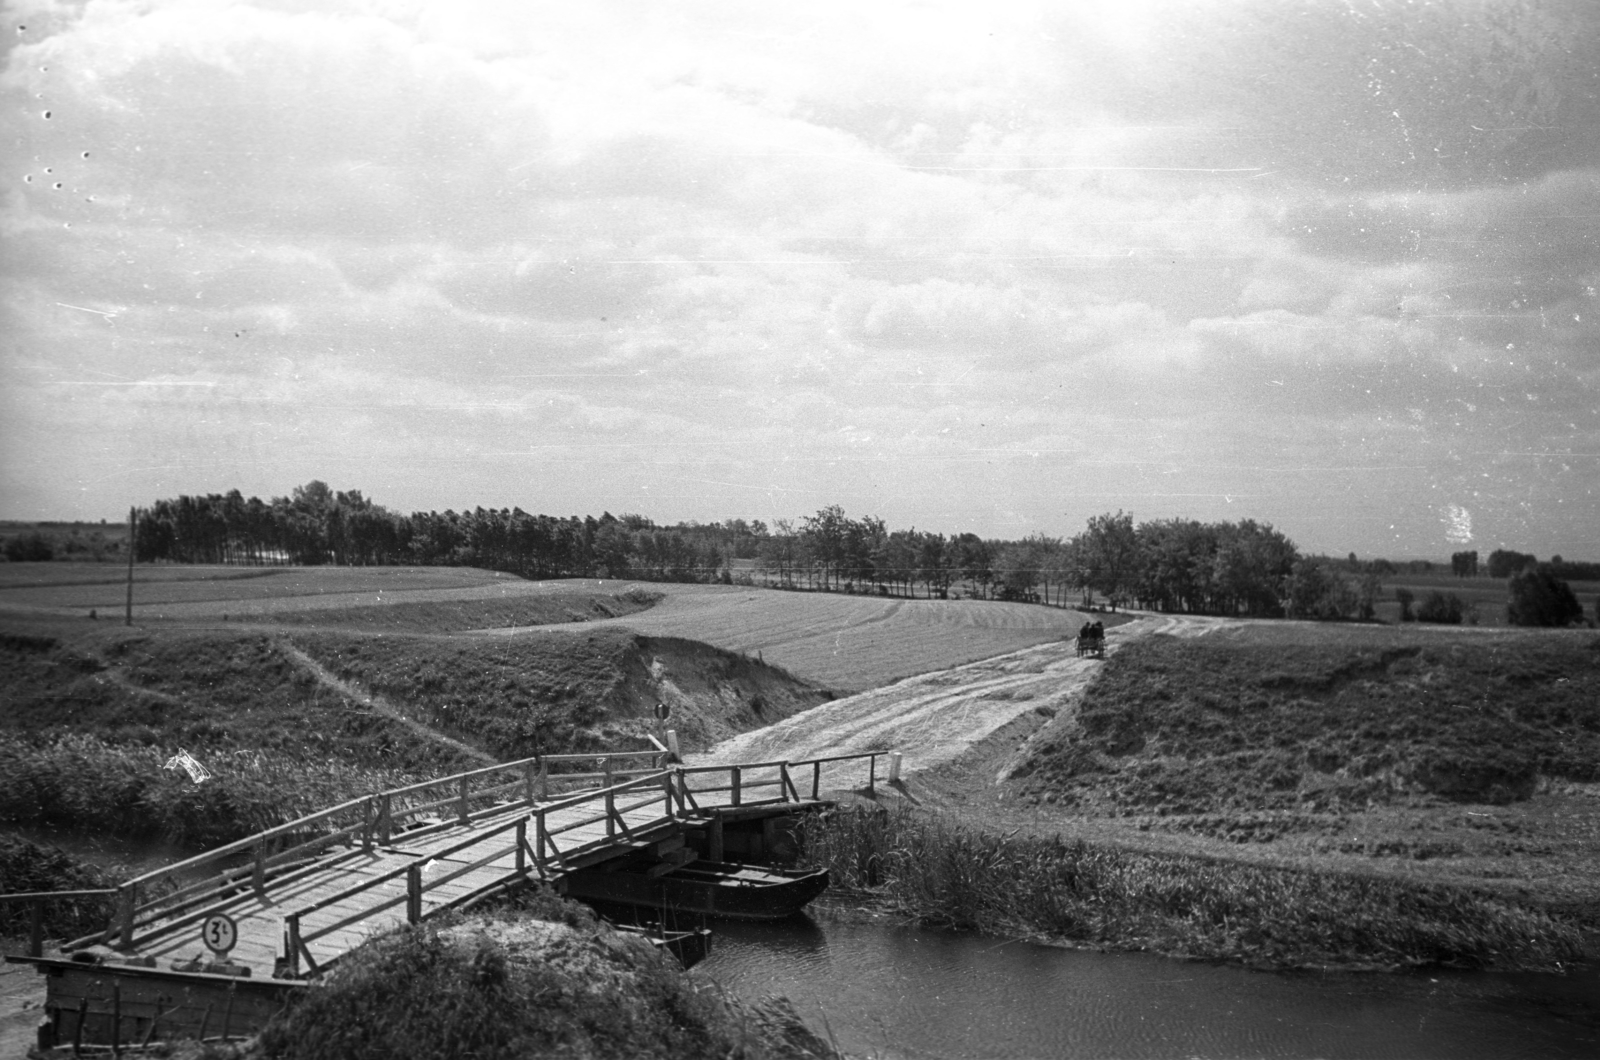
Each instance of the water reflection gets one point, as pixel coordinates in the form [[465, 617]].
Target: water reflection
[[903, 992]]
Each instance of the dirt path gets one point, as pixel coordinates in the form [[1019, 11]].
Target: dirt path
[[377, 704], [933, 719]]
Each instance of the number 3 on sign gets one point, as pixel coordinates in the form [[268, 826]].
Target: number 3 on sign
[[219, 933]]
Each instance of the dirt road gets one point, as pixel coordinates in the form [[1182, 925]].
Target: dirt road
[[934, 718]]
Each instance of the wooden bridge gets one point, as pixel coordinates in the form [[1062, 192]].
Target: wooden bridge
[[303, 894]]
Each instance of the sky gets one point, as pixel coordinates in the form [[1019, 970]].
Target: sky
[[989, 267]]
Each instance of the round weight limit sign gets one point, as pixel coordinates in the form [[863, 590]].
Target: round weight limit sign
[[219, 933]]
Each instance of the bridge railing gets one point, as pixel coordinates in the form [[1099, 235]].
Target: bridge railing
[[300, 847], [765, 783], [564, 819]]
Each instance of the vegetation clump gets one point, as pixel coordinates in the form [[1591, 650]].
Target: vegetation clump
[[553, 982], [941, 873], [27, 867]]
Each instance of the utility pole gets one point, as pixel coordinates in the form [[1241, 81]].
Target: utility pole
[[133, 535]]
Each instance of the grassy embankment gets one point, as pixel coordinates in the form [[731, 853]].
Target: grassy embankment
[[1301, 742], [91, 711]]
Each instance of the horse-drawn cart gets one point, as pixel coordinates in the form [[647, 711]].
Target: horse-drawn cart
[[1090, 644]]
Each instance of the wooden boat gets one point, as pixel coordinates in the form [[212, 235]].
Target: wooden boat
[[707, 888]]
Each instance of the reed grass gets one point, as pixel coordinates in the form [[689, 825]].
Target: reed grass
[[27, 867], [87, 784], [937, 872]]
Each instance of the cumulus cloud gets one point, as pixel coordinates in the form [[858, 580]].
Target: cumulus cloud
[[600, 256]]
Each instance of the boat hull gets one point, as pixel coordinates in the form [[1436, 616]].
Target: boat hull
[[713, 889]]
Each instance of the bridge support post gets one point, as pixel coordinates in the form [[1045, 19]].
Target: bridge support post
[[816, 779], [714, 847], [366, 825], [385, 820], [291, 943], [461, 803], [611, 812], [527, 783], [522, 846], [737, 778], [872, 774], [540, 839], [258, 875], [127, 896], [414, 894]]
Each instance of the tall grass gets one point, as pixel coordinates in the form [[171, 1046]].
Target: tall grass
[[938, 872], [86, 784], [27, 867]]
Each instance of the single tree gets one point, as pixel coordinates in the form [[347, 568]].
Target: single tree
[[1539, 598]]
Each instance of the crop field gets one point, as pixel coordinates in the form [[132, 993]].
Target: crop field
[[207, 593], [849, 643]]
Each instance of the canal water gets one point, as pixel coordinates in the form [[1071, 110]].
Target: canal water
[[890, 991]]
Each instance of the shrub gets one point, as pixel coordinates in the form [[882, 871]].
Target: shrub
[[32, 547], [1539, 598], [1443, 608], [1405, 598], [514, 985], [26, 866]]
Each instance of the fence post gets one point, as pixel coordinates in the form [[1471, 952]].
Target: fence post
[[461, 809], [666, 795], [737, 774], [785, 787], [611, 812], [816, 779], [872, 774], [258, 875], [366, 825], [385, 819], [414, 893], [128, 895], [522, 845], [894, 766], [292, 943], [36, 928], [538, 847], [527, 782], [544, 779], [606, 766]]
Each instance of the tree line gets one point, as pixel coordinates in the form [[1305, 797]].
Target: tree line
[[1173, 565]]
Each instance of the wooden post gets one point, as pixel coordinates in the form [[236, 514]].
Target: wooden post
[[540, 840], [133, 537], [258, 877], [605, 764], [522, 844], [116, 1018], [461, 810], [611, 812], [527, 783], [894, 767], [366, 825], [77, 1032], [292, 944], [816, 779], [672, 744], [785, 787], [666, 795], [544, 780], [385, 819], [872, 774], [414, 894], [128, 894], [737, 777], [227, 1010], [715, 849], [36, 928]]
